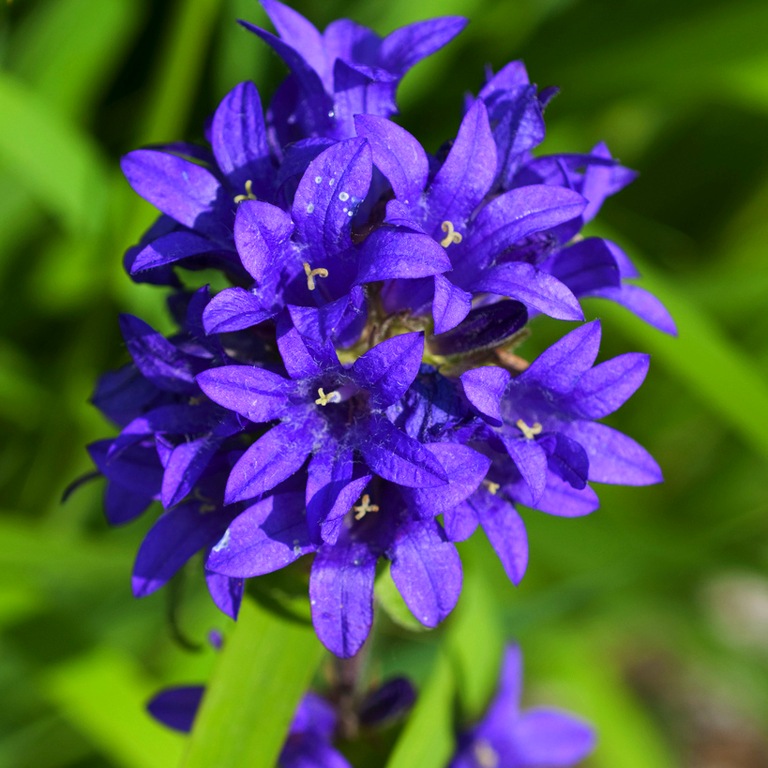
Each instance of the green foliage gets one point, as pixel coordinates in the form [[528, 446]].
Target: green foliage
[[621, 616]]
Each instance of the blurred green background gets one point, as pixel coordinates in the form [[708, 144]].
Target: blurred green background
[[650, 617]]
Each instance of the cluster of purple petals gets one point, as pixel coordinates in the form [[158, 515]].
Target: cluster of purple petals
[[336, 399]]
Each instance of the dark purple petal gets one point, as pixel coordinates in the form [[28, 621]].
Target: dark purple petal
[[255, 393], [177, 707], [466, 175], [506, 532], [530, 460], [360, 89], [484, 388], [239, 140], [121, 504], [426, 569], [262, 235], [397, 154], [178, 419], [388, 369], [274, 457], [552, 738], [266, 537], [226, 593], [304, 343], [585, 266], [180, 189], [334, 184], [233, 310], [156, 357], [465, 468], [450, 304], [394, 456], [614, 457], [561, 366], [606, 387], [408, 45], [172, 248], [298, 33], [176, 536], [341, 596], [641, 303], [137, 468], [387, 254], [534, 288], [310, 752], [184, 467], [387, 702], [566, 458]]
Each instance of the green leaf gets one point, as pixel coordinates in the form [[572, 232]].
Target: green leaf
[[103, 695], [47, 155], [264, 669], [427, 739]]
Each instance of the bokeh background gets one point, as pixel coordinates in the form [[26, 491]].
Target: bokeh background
[[649, 618]]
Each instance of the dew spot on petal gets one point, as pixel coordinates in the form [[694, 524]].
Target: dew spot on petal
[[343, 196], [223, 543]]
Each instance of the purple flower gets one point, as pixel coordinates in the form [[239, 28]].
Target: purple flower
[[310, 737], [509, 738]]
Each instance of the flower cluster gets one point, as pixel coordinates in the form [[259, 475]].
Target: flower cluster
[[352, 394]]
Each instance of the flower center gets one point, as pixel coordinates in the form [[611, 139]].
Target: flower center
[[312, 274], [529, 432], [331, 397], [451, 235], [364, 507], [485, 754], [248, 193]]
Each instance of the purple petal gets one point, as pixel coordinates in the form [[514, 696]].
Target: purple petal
[[450, 305], [484, 388], [465, 468], [426, 569], [180, 189], [466, 175], [176, 536], [394, 456], [561, 366], [235, 309], [361, 89], [239, 139], [388, 369], [266, 537], [274, 457], [172, 248], [121, 504], [559, 498], [531, 286], [567, 459], [460, 522], [255, 393], [184, 467], [262, 235], [177, 707], [504, 710], [585, 266], [226, 593], [304, 343], [397, 154], [387, 254], [310, 752], [410, 44], [321, 209], [641, 303], [548, 737], [506, 531], [530, 460], [607, 386], [341, 595], [614, 457]]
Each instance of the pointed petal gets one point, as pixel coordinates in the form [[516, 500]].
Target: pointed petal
[[465, 468], [177, 707], [184, 467], [388, 369], [614, 457], [450, 305], [226, 593], [567, 459], [121, 504], [641, 303], [341, 595], [268, 536], [274, 457], [585, 266], [397, 154], [394, 456], [506, 531], [534, 288], [549, 737], [484, 388], [262, 235], [239, 140], [235, 309], [530, 460], [358, 89], [255, 393], [172, 248], [304, 343], [460, 522], [178, 535], [561, 366], [387, 254], [606, 387], [179, 188], [323, 209], [410, 44], [426, 569], [466, 175]]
